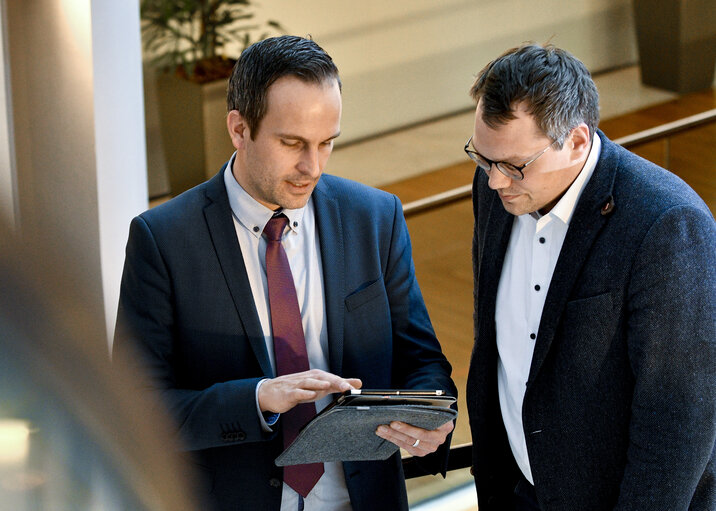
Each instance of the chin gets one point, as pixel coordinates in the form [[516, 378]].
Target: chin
[[294, 202], [515, 209]]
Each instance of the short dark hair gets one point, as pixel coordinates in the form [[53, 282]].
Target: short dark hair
[[555, 86], [264, 62]]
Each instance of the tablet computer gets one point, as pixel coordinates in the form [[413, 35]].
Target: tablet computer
[[387, 397]]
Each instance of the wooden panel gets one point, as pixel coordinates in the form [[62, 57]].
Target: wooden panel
[[690, 155], [443, 266], [653, 116]]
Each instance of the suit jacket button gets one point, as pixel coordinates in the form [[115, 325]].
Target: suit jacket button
[[225, 437], [240, 436], [274, 483]]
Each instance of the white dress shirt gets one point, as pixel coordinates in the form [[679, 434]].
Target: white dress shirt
[[532, 253], [301, 243]]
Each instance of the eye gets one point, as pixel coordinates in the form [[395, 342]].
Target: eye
[[290, 142], [509, 166]]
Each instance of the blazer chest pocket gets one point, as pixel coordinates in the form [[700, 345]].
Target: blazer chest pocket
[[365, 295], [368, 333], [589, 333]]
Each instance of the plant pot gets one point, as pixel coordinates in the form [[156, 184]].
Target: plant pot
[[181, 127], [187, 140], [677, 43]]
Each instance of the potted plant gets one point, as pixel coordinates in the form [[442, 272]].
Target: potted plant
[[194, 44], [191, 36]]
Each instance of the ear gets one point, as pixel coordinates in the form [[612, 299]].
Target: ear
[[579, 142], [238, 129]]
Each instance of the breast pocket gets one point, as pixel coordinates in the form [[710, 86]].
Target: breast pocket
[[590, 340], [365, 295], [368, 330]]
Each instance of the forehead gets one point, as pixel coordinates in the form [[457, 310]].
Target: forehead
[[515, 138], [296, 104]]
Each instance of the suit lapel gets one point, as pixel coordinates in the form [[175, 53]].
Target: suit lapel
[[493, 247], [330, 234], [587, 221], [218, 217]]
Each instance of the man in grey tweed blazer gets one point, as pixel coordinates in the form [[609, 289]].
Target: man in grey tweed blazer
[[592, 384]]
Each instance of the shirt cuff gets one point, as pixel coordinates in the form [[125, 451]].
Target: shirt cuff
[[267, 419]]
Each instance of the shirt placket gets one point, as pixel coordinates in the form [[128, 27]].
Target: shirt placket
[[537, 285]]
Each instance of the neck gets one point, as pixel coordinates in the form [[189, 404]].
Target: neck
[[574, 172]]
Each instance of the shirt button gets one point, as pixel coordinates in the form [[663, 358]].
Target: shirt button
[[533, 336], [295, 224], [537, 288], [542, 240], [256, 228]]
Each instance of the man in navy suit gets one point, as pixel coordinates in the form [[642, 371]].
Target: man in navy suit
[[194, 297], [592, 384]]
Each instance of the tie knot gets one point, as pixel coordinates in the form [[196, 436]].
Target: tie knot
[[274, 228]]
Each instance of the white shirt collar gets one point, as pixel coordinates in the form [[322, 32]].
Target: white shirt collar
[[251, 214], [564, 209]]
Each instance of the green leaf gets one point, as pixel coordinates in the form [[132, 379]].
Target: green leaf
[[179, 32]]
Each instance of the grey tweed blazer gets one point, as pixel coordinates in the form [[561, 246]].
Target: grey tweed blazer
[[620, 406]]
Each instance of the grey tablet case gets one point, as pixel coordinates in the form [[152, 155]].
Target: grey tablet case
[[346, 432]]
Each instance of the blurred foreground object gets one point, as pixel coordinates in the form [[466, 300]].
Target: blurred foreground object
[[70, 435]]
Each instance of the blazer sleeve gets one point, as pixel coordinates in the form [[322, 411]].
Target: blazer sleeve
[[418, 361], [145, 341], [671, 334]]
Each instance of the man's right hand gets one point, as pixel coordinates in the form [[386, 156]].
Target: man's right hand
[[280, 394]]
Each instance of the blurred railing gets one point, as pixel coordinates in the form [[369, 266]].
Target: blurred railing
[[461, 455]]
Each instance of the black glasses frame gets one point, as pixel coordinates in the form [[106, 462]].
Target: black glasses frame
[[507, 169]]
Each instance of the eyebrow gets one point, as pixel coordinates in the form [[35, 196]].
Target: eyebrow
[[301, 139]]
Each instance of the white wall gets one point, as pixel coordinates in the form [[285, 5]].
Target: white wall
[[119, 136]]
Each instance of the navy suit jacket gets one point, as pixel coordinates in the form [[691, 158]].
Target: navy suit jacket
[[620, 405], [186, 303]]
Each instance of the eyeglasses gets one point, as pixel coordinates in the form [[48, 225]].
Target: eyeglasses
[[508, 169]]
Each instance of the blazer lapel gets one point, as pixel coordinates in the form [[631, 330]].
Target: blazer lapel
[[330, 234], [493, 247], [591, 213], [219, 220]]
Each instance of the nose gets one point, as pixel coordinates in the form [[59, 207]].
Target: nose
[[310, 162], [496, 180]]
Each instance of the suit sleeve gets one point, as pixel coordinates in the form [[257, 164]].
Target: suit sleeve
[[145, 340], [418, 361], [672, 350]]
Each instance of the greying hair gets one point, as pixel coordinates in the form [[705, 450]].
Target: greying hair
[[555, 87], [264, 62]]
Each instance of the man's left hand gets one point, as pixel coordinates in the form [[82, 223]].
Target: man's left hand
[[416, 441]]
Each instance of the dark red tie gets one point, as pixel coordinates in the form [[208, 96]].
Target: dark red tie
[[289, 347]]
